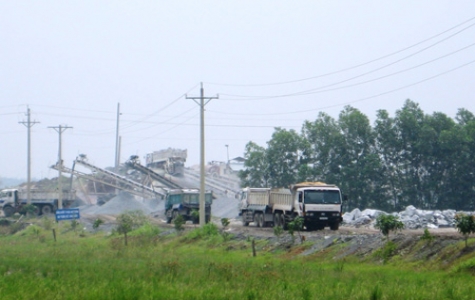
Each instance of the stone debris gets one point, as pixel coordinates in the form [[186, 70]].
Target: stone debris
[[412, 218]]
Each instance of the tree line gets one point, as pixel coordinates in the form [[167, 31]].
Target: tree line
[[412, 158]]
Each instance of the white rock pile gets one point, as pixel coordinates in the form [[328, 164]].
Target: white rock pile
[[412, 218]]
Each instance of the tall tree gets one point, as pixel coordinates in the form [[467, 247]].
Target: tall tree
[[389, 150], [409, 122], [324, 137], [283, 157], [256, 168], [360, 165]]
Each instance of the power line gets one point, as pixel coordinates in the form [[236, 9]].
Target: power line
[[358, 100], [316, 90], [358, 65]]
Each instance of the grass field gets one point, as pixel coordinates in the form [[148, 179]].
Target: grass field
[[203, 264]]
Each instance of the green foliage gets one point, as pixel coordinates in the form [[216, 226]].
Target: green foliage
[[466, 267], [256, 168], [128, 221], [97, 223], [225, 222], [47, 223], [206, 231], [176, 268], [29, 210], [427, 236], [283, 157], [383, 162], [296, 225], [387, 223], [195, 215], [376, 294], [465, 225], [74, 225], [386, 252], [278, 230], [179, 221]]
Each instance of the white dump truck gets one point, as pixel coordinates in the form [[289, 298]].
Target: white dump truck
[[45, 202], [318, 203]]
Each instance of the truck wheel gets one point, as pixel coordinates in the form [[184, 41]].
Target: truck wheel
[[244, 220], [257, 220], [8, 211], [277, 219], [34, 213], [282, 222], [174, 215], [46, 210], [334, 226], [261, 221]]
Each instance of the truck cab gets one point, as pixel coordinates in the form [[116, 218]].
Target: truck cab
[[9, 201], [319, 204], [184, 202]]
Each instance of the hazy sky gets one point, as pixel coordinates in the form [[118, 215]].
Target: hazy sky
[[273, 63]]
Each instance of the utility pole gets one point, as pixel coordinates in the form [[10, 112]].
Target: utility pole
[[202, 104], [227, 152], [117, 145], [60, 130], [28, 125]]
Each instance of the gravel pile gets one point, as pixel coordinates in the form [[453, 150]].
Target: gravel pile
[[121, 203]]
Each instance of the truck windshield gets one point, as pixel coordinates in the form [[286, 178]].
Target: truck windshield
[[195, 198], [322, 197]]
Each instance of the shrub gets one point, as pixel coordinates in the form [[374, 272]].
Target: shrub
[[208, 230], [128, 221], [465, 225], [278, 230], [47, 223], [427, 236], [386, 251], [179, 221], [388, 223], [97, 223], [296, 225]]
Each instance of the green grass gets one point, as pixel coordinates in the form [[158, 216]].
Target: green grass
[[202, 264]]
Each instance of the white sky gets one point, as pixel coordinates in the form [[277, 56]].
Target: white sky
[[273, 63]]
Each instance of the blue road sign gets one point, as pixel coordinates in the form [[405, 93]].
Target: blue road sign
[[67, 214]]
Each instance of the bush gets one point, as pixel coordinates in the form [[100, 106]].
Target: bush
[[129, 221], [47, 223], [465, 225], [179, 221], [388, 223], [208, 230], [427, 236], [386, 252]]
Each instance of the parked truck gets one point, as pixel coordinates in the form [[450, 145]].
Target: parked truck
[[184, 202], [318, 203], [45, 202]]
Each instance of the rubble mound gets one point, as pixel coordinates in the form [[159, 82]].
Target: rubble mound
[[412, 218]]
